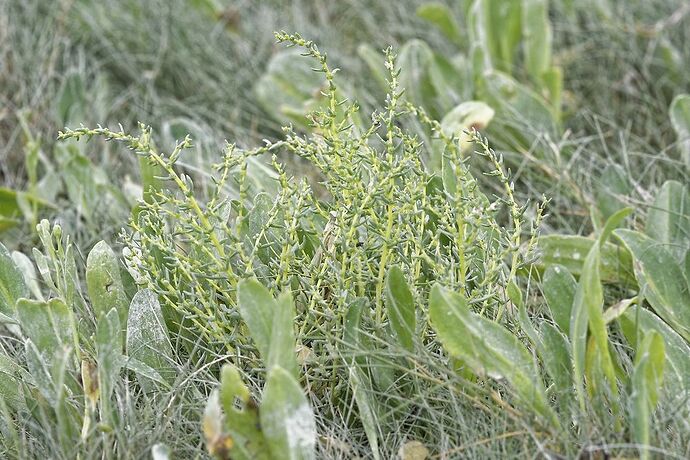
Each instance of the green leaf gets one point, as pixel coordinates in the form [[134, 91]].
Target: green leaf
[[517, 107], [104, 282], [661, 280], [28, 270], [145, 371], [241, 436], [668, 219], [147, 335], [638, 322], [488, 348], [557, 361], [414, 58], [12, 285], [50, 325], [441, 16], [286, 418], [679, 112], [40, 372], [289, 89], [108, 357], [587, 314], [374, 61], [559, 288], [646, 380], [270, 323], [282, 347], [401, 310], [10, 213], [570, 251], [537, 37]]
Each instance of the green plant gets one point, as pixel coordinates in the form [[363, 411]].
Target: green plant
[[654, 322], [382, 208], [77, 369], [282, 426]]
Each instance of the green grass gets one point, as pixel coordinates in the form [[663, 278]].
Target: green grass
[[324, 209]]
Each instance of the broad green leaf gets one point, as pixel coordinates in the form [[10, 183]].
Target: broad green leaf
[[50, 325], [442, 18], [557, 361], [661, 280], [282, 348], [12, 285], [147, 335], [270, 323], [570, 251], [287, 420], [522, 115], [104, 282], [680, 119], [28, 270], [452, 81], [401, 309], [413, 60], [145, 371], [639, 322], [257, 308], [488, 348], [494, 26], [646, 381], [536, 35], [559, 288], [241, 437], [553, 82], [554, 350], [40, 372], [668, 219], [289, 89]]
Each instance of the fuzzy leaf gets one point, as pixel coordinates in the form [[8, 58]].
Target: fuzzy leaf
[[401, 309], [286, 418], [12, 285], [488, 348], [646, 380], [559, 288], [147, 335], [638, 322], [661, 279], [270, 324], [104, 282], [441, 17], [668, 219]]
